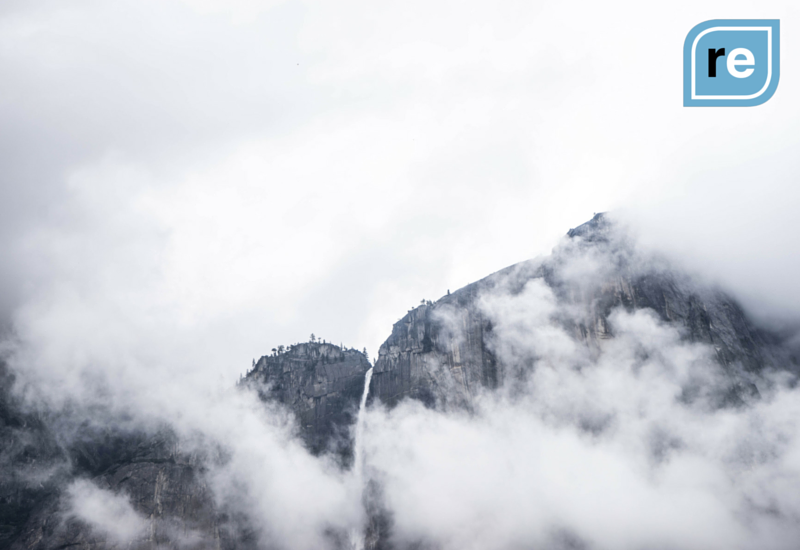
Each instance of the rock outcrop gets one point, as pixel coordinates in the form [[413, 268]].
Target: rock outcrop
[[437, 353], [321, 383]]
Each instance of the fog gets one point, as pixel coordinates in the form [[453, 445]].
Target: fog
[[185, 185]]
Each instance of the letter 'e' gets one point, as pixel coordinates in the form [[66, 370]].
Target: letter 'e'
[[748, 61]]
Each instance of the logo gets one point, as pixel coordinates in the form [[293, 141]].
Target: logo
[[731, 63]]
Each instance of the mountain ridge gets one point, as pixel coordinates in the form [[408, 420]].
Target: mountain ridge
[[445, 354]]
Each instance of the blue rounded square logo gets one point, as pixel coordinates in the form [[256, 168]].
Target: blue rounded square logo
[[731, 63]]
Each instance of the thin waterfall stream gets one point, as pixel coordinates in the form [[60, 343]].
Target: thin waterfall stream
[[356, 534]]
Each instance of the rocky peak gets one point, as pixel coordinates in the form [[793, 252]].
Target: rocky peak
[[321, 383], [596, 229]]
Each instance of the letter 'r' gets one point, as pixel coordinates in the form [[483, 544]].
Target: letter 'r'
[[713, 55]]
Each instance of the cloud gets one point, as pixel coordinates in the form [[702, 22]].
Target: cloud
[[596, 454], [111, 514], [272, 149]]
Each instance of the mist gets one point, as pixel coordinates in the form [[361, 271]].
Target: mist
[[185, 185], [590, 451]]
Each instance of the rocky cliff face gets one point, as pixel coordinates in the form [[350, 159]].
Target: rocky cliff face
[[30, 462], [437, 353], [41, 459], [443, 353], [321, 383], [165, 486]]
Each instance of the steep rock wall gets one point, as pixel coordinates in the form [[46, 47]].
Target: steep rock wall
[[442, 353], [321, 383]]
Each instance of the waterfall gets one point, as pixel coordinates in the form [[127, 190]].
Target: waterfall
[[358, 443], [356, 534]]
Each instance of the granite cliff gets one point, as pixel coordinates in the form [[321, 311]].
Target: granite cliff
[[42, 456], [321, 383], [443, 353]]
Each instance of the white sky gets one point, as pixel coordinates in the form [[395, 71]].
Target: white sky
[[208, 180]]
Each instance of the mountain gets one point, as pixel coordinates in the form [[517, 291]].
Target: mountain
[[445, 354]]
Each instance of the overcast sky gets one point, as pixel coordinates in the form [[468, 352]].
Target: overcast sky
[[209, 179]]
